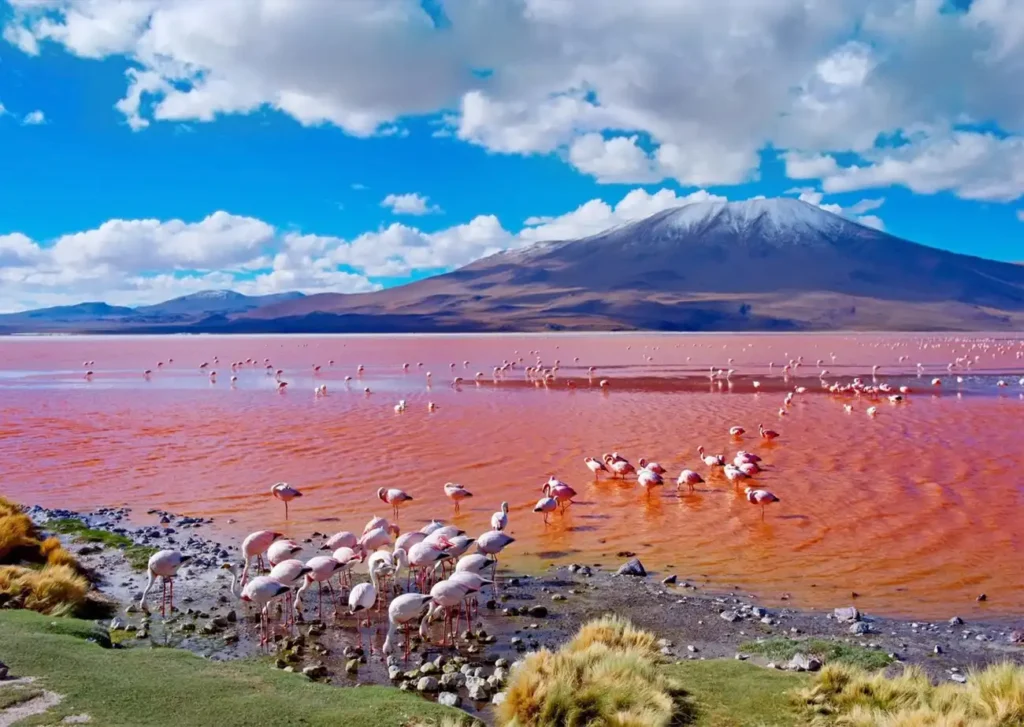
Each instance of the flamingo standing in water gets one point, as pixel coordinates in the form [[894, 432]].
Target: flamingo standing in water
[[560, 491], [491, 543], [456, 493], [499, 520], [341, 539], [652, 466], [647, 479], [767, 433], [545, 505], [361, 599], [595, 465], [619, 465], [254, 545], [282, 550], [165, 564], [473, 583], [760, 497], [736, 432], [322, 569], [689, 478], [447, 597], [261, 590], [711, 460], [405, 610], [290, 573], [394, 497], [286, 493]]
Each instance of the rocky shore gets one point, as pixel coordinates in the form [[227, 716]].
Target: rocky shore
[[527, 613]]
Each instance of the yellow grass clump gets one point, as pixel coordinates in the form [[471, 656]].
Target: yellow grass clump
[[8, 508], [55, 554], [849, 697], [16, 532], [606, 677], [55, 589]]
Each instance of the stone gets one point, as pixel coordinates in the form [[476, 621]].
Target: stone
[[427, 684], [937, 649], [558, 597], [956, 621], [632, 567], [670, 580], [537, 611], [802, 662], [692, 649], [454, 680], [477, 689], [758, 612], [981, 597], [730, 616], [1016, 637], [449, 699], [117, 624], [860, 628], [428, 669], [741, 657], [230, 638], [847, 615], [500, 674], [958, 677], [352, 666], [664, 642], [4, 671], [394, 673], [498, 698], [315, 671]]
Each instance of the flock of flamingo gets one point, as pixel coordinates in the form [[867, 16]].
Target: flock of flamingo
[[442, 577]]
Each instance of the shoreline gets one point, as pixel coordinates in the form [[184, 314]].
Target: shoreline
[[530, 612]]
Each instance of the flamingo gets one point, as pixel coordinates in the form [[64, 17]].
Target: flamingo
[[689, 478], [767, 433], [652, 466], [491, 543], [322, 569], [619, 466], [736, 431], [647, 479], [361, 598], [290, 573], [403, 611], [282, 550], [734, 474], [711, 460], [595, 465], [446, 597], [163, 563], [546, 505], [472, 583], [348, 557], [261, 590], [340, 539], [760, 497], [407, 540], [560, 491], [456, 493], [474, 563], [254, 546], [394, 497], [286, 493], [499, 520], [425, 555], [431, 527]]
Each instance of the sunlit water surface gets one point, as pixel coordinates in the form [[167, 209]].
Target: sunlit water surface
[[918, 510]]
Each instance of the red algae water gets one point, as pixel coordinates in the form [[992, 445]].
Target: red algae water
[[918, 510]]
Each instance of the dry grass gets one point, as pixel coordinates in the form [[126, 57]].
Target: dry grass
[[17, 532], [8, 508], [54, 552], [606, 677], [57, 590], [850, 697]]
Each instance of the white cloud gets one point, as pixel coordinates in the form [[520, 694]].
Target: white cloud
[[34, 118], [855, 212], [409, 204], [1020, 215], [707, 86]]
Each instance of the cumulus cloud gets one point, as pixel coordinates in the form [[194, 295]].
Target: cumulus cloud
[[1020, 215], [34, 118], [706, 86], [409, 204], [856, 212], [131, 262]]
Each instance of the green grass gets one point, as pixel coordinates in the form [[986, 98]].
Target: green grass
[[137, 555], [782, 650], [13, 694], [729, 693], [140, 687]]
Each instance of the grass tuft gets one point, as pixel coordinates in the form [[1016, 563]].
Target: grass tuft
[[12, 695], [853, 697], [7, 507], [605, 676], [17, 532], [54, 590], [828, 651]]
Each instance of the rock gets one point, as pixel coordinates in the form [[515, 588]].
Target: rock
[[741, 657], [352, 666], [449, 699], [860, 628], [632, 567], [692, 649], [847, 615], [477, 689], [981, 597], [802, 662], [280, 664], [670, 580], [937, 649], [501, 663], [230, 638], [1016, 637], [117, 624], [730, 616], [758, 612], [394, 673], [958, 677], [662, 643], [537, 611], [428, 669], [665, 651], [454, 680], [316, 671], [500, 674], [4, 671], [956, 621], [498, 698], [427, 684], [558, 597]]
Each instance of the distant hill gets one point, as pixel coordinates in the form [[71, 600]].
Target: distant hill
[[210, 302], [766, 264]]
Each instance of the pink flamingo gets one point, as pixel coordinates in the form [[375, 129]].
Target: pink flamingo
[[165, 564], [595, 465], [767, 433], [404, 611], [689, 478], [322, 569], [647, 479], [652, 466], [559, 491], [361, 599], [290, 573], [760, 497], [736, 431], [394, 497], [456, 493], [545, 505], [447, 597], [282, 550], [711, 460], [254, 545], [619, 466], [499, 520], [261, 591], [286, 493], [340, 539]]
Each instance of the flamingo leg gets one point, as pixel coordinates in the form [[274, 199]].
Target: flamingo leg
[[163, 596], [407, 639], [170, 602], [285, 509]]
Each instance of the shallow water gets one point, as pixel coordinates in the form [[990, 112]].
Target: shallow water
[[918, 510]]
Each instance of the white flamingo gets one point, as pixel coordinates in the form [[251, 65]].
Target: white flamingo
[[165, 564], [499, 520]]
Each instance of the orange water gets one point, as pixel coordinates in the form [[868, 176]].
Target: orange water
[[918, 510]]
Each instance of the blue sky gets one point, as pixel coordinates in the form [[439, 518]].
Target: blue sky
[[267, 170]]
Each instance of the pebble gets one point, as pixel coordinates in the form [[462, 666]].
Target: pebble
[[958, 678], [670, 580], [427, 684], [632, 567], [449, 699], [730, 616]]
